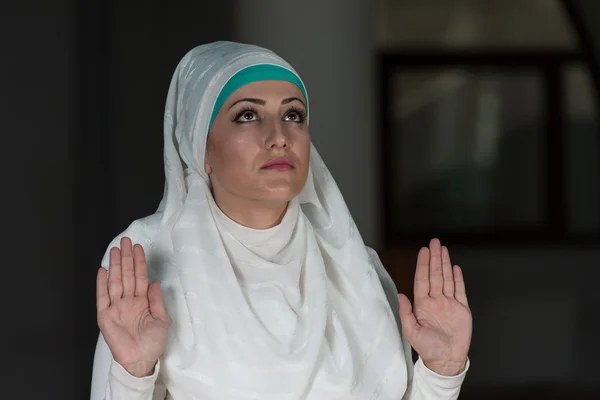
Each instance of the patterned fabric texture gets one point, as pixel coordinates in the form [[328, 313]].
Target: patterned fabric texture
[[293, 312]]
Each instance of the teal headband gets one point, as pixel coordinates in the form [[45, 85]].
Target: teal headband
[[255, 73]]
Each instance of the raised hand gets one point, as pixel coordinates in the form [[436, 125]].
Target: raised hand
[[440, 326], [131, 313]]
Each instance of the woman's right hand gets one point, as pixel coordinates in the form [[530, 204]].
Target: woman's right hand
[[131, 313]]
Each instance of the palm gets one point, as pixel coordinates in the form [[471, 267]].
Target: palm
[[440, 326], [131, 313]]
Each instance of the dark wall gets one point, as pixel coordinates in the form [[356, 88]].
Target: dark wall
[[80, 81], [36, 77]]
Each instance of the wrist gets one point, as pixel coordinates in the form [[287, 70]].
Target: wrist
[[141, 369], [446, 368]]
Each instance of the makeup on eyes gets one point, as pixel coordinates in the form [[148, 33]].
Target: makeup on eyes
[[250, 109]]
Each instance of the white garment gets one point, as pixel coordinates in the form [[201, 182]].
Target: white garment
[[113, 382], [293, 312]]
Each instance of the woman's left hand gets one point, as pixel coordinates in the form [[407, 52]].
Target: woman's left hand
[[440, 326]]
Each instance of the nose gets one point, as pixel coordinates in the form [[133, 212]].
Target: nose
[[277, 138]]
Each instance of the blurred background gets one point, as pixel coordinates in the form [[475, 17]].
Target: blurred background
[[476, 121]]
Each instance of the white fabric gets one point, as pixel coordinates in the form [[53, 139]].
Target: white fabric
[[110, 381], [292, 312]]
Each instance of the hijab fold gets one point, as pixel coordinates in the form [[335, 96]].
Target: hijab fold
[[293, 312]]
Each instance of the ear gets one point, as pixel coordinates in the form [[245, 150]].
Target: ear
[[207, 168]]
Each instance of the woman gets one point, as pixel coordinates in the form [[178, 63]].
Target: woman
[[263, 288]]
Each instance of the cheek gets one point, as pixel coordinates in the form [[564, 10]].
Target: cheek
[[232, 155], [304, 148]]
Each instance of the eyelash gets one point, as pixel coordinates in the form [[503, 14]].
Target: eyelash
[[301, 114], [242, 112]]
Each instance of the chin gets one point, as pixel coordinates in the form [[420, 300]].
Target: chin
[[282, 191], [279, 193], [282, 196]]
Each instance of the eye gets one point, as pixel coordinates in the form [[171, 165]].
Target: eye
[[246, 115], [295, 115]]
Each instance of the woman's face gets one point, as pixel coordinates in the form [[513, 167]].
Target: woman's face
[[258, 146]]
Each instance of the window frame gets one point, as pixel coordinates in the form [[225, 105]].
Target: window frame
[[553, 65]]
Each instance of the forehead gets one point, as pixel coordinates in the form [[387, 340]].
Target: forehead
[[266, 89]]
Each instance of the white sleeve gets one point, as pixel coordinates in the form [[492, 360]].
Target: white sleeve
[[423, 383], [428, 385], [110, 381]]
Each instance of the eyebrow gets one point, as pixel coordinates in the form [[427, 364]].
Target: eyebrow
[[262, 102]]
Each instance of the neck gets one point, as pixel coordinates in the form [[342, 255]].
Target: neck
[[251, 213]]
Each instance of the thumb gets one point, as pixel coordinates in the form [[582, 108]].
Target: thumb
[[156, 302], [410, 326]]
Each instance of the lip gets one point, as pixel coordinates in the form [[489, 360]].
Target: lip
[[279, 163]]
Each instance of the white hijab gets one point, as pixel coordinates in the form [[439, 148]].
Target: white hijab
[[293, 312]]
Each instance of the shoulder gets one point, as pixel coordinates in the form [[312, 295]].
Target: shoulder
[[143, 232], [384, 277], [388, 285]]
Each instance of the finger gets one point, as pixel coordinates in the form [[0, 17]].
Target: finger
[[115, 285], [102, 299], [447, 272], [141, 271], [127, 273], [460, 293], [422, 274], [436, 278], [156, 302], [410, 326]]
